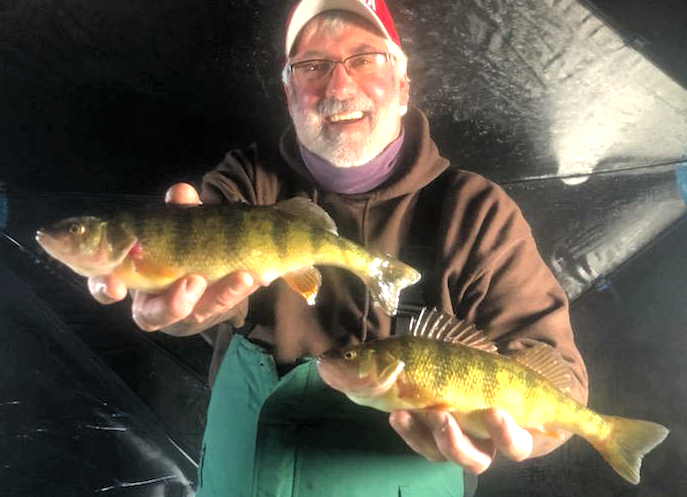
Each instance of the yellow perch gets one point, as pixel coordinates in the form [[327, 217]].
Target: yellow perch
[[153, 246], [445, 364]]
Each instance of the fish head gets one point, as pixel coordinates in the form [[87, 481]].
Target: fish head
[[80, 243], [363, 371]]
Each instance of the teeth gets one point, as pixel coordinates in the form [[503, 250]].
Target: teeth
[[346, 117]]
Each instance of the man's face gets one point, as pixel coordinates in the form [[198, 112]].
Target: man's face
[[346, 120]]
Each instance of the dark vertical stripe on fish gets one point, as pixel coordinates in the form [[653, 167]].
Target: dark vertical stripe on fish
[[490, 380], [280, 233], [343, 249], [530, 384], [239, 224], [316, 237], [183, 239], [444, 374]]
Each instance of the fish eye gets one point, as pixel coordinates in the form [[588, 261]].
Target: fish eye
[[77, 229], [350, 355]]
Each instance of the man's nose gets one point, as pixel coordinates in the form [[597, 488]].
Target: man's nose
[[340, 84]]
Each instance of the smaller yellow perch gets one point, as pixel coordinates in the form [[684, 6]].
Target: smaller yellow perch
[[445, 364], [153, 246]]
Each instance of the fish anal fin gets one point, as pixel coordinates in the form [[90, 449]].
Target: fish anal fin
[[305, 281], [548, 432], [546, 361], [307, 209], [439, 325], [439, 406]]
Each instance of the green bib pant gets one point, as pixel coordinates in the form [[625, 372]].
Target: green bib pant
[[296, 437]]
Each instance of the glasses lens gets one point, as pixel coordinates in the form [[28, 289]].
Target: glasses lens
[[316, 71], [311, 70], [365, 64]]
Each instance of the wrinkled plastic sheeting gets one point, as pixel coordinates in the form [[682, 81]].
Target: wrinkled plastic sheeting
[[514, 89], [631, 333], [4, 207], [547, 86], [681, 176], [67, 423], [586, 231]]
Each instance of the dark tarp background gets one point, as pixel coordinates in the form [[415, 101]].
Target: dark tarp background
[[578, 108]]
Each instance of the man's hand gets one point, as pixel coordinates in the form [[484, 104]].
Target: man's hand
[[189, 306], [437, 436]]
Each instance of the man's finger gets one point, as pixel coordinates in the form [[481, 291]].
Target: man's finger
[[182, 193], [152, 312], [514, 442], [223, 295], [416, 434], [453, 444], [107, 289]]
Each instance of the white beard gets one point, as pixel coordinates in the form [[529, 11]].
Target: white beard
[[347, 148]]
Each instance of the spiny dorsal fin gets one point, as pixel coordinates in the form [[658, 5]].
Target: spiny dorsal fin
[[546, 361], [305, 208], [447, 328]]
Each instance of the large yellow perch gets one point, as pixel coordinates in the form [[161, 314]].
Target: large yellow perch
[[151, 247], [433, 368]]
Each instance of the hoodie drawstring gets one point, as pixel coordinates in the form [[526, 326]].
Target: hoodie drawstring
[[366, 310], [363, 236]]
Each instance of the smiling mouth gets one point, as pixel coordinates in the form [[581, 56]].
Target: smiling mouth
[[349, 117]]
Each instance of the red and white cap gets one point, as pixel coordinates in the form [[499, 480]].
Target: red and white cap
[[374, 11]]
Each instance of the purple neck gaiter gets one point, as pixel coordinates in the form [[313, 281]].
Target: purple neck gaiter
[[356, 179]]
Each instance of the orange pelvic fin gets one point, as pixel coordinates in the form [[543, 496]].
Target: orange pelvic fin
[[306, 281]]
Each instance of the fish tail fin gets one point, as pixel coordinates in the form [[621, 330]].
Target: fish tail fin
[[627, 443], [387, 280]]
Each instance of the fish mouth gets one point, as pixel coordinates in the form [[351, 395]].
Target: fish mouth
[[332, 373], [46, 241]]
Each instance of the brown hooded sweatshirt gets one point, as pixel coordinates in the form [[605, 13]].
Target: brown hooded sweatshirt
[[479, 260]]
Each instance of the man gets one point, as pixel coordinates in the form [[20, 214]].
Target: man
[[357, 151]]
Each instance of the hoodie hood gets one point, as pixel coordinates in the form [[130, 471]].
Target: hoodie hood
[[418, 165]]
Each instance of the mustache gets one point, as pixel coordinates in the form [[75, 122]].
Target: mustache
[[332, 106]]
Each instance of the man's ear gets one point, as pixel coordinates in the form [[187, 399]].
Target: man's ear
[[288, 91], [404, 93]]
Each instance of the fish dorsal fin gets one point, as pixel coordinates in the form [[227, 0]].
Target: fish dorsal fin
[[546, 361], [441, 326], [307, 209], [305, 281]]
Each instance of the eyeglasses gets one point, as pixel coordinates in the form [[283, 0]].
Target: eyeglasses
[[318, 71]]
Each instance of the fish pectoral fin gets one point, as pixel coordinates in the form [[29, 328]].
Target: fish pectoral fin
[[414, 396], [406, 391], [549, 432], [306, 281], [439, 406], [142, 274], [307, 209]]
